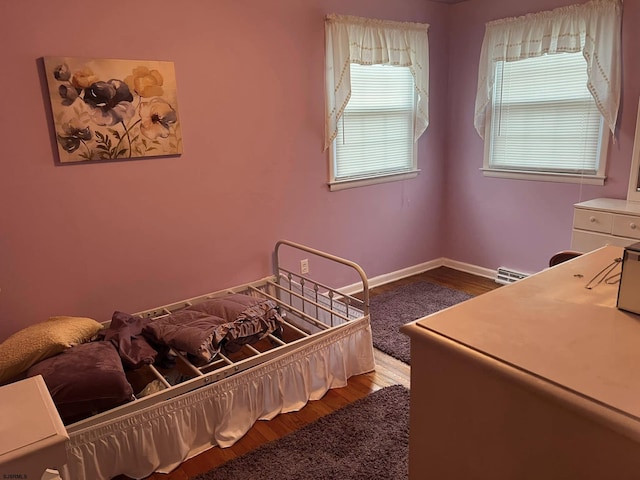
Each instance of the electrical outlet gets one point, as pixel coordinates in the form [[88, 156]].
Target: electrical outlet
[[304, 266]]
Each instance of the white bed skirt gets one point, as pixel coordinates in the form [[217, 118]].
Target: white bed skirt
[[161, 437]]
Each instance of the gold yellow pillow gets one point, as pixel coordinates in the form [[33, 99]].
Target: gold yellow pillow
[[43, 340]]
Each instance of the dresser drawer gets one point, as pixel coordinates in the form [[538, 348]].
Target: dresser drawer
[[593, 220], [584, 241], [626, 226]]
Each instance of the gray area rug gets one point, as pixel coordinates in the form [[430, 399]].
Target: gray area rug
[[390, 310], [368, 440]]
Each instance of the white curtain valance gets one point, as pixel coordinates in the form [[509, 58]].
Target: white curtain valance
[[373, 42], [593, 28]]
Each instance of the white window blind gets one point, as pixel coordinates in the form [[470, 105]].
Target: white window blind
[[376, 131], [543, 117]]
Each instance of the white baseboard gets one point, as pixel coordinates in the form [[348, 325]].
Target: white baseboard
[[468, 268], [420, 268]]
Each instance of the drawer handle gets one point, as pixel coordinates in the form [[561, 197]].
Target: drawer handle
[[592, 219], [633, 226]]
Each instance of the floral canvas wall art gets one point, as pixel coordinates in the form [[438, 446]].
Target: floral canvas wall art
[[113, 109]]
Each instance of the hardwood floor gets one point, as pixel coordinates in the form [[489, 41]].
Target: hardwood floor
[[389, 371], [448, 277]]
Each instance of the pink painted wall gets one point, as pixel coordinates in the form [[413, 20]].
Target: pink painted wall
[[92, 238], [89, 239], [514, 223]]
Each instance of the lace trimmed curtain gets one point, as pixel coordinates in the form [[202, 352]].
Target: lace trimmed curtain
[[593, 28], [373, 42]]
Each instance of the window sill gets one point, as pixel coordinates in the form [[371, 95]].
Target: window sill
[[362, 182], [545, 176]]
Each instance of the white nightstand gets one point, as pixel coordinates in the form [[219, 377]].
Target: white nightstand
[[32, 435]]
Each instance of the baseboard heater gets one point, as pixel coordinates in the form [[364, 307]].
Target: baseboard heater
[[505, 275]]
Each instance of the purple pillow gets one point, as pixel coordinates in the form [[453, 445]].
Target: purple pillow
[[85, 380]]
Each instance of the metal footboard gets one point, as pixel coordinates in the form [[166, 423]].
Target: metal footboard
[[331, 293]]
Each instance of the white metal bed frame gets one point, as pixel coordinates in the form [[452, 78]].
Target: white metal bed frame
[[312, 311]]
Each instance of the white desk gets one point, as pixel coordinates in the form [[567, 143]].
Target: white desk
[[539, 379], [32, 436]]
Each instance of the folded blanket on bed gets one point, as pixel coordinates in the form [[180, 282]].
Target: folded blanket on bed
[[186, 331], [202, 330], [125, 333], [250, 318]]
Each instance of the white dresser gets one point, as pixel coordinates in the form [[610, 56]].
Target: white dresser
[[605, 221]]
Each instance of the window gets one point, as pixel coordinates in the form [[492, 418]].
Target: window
[[549, 92], [377, 103], [375, 133], [543, 119]]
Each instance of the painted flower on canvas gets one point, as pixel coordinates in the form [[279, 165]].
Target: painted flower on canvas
[[113, 109]]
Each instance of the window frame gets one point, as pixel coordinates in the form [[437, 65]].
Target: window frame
[[380, 177], [597, 178]]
